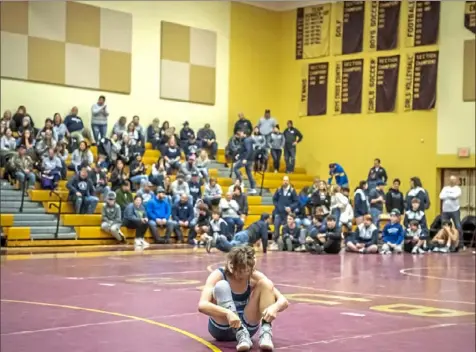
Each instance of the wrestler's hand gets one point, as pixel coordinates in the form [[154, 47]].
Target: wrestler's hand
[[270, 313], [233, 320]]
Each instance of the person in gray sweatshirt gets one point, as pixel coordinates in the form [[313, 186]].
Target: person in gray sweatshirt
[[99, 115], [213, 192], [276, 144], [179, 187], [111, 219], [266, 124]]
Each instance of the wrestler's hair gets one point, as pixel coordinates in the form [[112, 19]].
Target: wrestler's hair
[[240, 258]]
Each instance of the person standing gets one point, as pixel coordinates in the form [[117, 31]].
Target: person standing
[[99, 115], [243, 124], [276, 144], [266, 124], [394, 199], [292, 136], [376, 173], [450, 196], [245, 159]]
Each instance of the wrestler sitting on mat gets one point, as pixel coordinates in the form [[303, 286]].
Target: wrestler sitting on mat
[[238, 298]]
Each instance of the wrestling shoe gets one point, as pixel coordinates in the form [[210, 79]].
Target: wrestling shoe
[[266, 338], [244, 340]]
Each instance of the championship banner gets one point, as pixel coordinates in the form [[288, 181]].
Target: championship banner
[[470, 16], [423, 23], [383, 83], [312, 31], [383, 29], [348, 87], [314, 82], [349, 34], [420, 81]]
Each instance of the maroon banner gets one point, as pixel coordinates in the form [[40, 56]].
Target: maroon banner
[[348, 87], [300, 33], [317, 89], [470, 16], [423, 23], [353, 27], [424, 80], [389, 19]]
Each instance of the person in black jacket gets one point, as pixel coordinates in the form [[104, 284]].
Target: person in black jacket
[[233, 147], [182, 216], [376, 173], [292, 136], [285, 201], [245, 159], [320, 197], [394, 199], [99, 179], [243, 124], [81, 192], [293, 237], [195, 187], [330, 236], [361, 202], [186, 134]]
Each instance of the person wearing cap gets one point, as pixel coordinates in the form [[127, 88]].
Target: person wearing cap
[[195, 187], [111, 219], [377, 201], [208, 140], [23, 167], [179, 187], [81, 192], [158, 212], [186, 133], [135, 217], [191, 147], [376, 173], [266, 125], [182, 216], [123, 195], [292, 136], [337, 171], [393, 234], [153, 133], [187, 167], [365, 238], [145, 191]]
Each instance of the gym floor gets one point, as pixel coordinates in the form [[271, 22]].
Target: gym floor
[[82, 300]]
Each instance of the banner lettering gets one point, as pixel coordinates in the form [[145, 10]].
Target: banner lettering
[[348, 85], [349, 34], [383, 83], [423, 23], [470, 16], [421, 77], [383, 29], [317, 89], [312, 31]]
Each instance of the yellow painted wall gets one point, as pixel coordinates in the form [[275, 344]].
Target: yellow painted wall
[[456, 118], [44, 100], [254, 61]]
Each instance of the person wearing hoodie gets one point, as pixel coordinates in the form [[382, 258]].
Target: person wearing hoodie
[[260, 150], [51, 170], [417, 190], [243, 124], [123, 195], [200, 224], [182, 216], [98, 177], [81, 192], [195, 187], [191, 147], [233, 148], [81, 157], [376, 201], [361, 202], [218, 227], [213, 193], [186, 133], [244, 158], [74, 125], [188, 167], [207, 139], [414, 214], [365, 238], [135, 217], [158, 173], [293, 237], [450, 196], [145, 191], [179, 187], [292, 137], [276, 145], [99, 115], [337, 171], [415, 239], [153, 133], [376, 173], [393, 234], [230, 212], [171, 156], [312, 242], [254, 233], [242, 200], [394, 198], [328, 238], [339, 203], [111, 218], [158, 212]]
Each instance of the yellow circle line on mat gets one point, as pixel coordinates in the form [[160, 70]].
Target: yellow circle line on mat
[[198, 339]]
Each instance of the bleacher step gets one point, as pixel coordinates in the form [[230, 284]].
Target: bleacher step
[[51, 236], [21, 217], [16, 204], [34, 230], [37, 223], [26, 210]]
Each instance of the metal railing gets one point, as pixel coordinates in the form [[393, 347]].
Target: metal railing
[[23, 188], [262, 173], [57, 206]]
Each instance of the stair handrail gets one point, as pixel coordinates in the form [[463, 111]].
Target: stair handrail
[[262, 174], [59, 210], [23, 186]]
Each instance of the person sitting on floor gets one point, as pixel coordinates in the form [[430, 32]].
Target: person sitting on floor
[[81, 192], [393, 234], [415, 238], [158, 213], [111, 219], [213, 192], [182, 216], [218, 227], [124, 196], [329, 237], [293, 237], [365, 238], [230, 211], [312, 243], [135, 217], [447, 239]]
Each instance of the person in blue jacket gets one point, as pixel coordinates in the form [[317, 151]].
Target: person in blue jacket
[[158, 212], [182, 216], [337, 171], [393, 234], [245, 159]]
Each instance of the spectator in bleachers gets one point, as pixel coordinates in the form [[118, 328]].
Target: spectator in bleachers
[[186, 133], [139, 128], [98, 177], [81, 192], [339, 203], [29, 142], [81, 157], [168, 188], [202, 164], [133, 134], [45, 143], [8, 145], [260, 150], [242, 200], [99, 115], [266, 125], [361, 202], [18, 118], [415, 239], [337, 171], [171, 156], [213, 193], [50, 170], [376, 201], [179, 188], [365, 238], [245, 159], [230, 212], [124, 196], [135, 217], [158, 173], [111, 219], [195, 187], [394, 198], [202, 224], [329, 236], [447, 239], [153, 133], [118, 175], [233, 147], [22, 166], [188, 167], [182, 216], [145, 191], [7, 120], [48, 126], [126, 153], [376, 173], [191, 148], [59, 128], [276, 145], [208, 140], [158, 213], [285, 199], [26, 125], [75, 126], [450, 196], [243, 124], [320, 196], [63, 154], [138, 171], [347, 215], [393, 234], [292, 136], [293, 238], [165, 134], [236, 183], [417, 190], [414, 214]]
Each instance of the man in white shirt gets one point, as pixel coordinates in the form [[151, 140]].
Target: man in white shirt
[[450, 209]]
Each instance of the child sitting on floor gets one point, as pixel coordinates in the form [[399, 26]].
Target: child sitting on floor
[[393, 234], [447, 239], [415, 238]]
